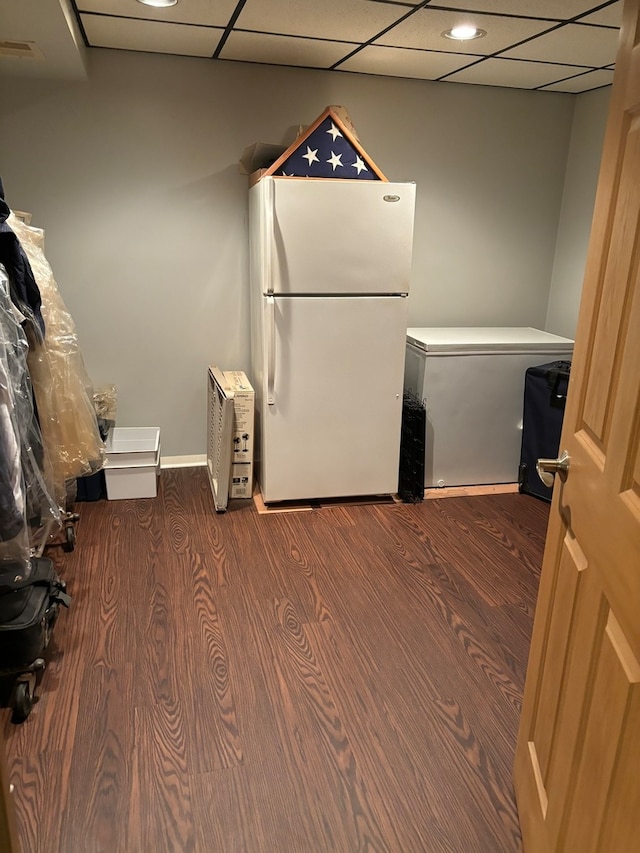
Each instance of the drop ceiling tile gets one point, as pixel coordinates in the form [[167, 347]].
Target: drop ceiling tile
[[284, 50], [610, 16], [574, 43], [512, 73], [351, 20], [152, 36], [530, 8], [191, 12], [424, 30], [403, 62], [583, 83]]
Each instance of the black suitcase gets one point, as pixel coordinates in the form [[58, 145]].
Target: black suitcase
[[545, 395], [28, 611], [412, 439]]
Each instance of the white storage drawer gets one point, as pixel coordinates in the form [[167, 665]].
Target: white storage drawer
[[132, 467], [132, 446], [133, 481]]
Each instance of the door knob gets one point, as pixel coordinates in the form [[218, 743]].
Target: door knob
[[546, 468]]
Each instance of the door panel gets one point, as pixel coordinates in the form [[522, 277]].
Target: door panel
[[334, 426], [614, 685], [8, 829], [340, 236], [570, 590], [577, 786]]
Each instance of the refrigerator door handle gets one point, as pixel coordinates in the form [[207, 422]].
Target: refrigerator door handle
[[268, 235], [271, 349]]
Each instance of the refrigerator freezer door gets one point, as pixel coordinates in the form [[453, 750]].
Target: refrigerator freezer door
[[333, 428], [342, 236]]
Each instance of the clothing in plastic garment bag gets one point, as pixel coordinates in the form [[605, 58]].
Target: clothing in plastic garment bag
[[63, 390], [26, 499]]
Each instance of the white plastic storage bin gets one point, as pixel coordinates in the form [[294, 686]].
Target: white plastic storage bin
[[133, 463], [472, 381], [132, 482], [133, 445]]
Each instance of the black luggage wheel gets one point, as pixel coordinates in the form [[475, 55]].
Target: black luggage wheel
[[69, 539], [23, 698], [22, 702]]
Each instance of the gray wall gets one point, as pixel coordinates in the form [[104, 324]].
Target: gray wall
[[578, 198], [134, 177]]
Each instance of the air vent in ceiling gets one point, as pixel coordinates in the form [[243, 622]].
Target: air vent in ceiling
[[20, 49]]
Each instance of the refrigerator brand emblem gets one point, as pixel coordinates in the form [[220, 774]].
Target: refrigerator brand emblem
[[391, 198]]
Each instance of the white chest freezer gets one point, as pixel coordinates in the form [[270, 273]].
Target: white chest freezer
[[472, 381]]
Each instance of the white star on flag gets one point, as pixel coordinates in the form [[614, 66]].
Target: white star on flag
[[311, 156], [335, 160], [359, 165], [334, 132]]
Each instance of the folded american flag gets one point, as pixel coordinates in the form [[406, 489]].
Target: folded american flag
[[327, 153]]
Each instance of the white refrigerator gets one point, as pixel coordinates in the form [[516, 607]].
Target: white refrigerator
[[472, 381], [330, 264]]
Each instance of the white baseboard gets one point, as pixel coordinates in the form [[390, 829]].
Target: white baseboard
[[183, 461]]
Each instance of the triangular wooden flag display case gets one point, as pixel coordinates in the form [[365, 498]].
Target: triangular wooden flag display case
[[327, 149]]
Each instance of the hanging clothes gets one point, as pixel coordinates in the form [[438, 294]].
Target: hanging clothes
[[11, 493], [24, 290], [63, 390], [26, 500]]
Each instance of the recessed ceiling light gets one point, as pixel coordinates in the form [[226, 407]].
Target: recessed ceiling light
[[159, 4], [464, 32]]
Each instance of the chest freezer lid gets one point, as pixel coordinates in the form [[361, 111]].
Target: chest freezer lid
[[513, 339]]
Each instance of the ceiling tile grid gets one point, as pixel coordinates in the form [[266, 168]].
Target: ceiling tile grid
[[610, 16], [576, 44], [425, 27], [566, 46], [343, 20], [151, 36], [512, 73], [401, 62], [283, 50], [202, 12], [585, 82], [552, 9]]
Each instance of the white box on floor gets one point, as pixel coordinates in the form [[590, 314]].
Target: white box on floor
[[132, 467], [243, 416], [236, 387]]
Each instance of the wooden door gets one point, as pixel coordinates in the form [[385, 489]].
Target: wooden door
[[577, 768], [8, 832]]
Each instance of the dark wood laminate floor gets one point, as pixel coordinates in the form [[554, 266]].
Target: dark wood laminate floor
[[338, 680]]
